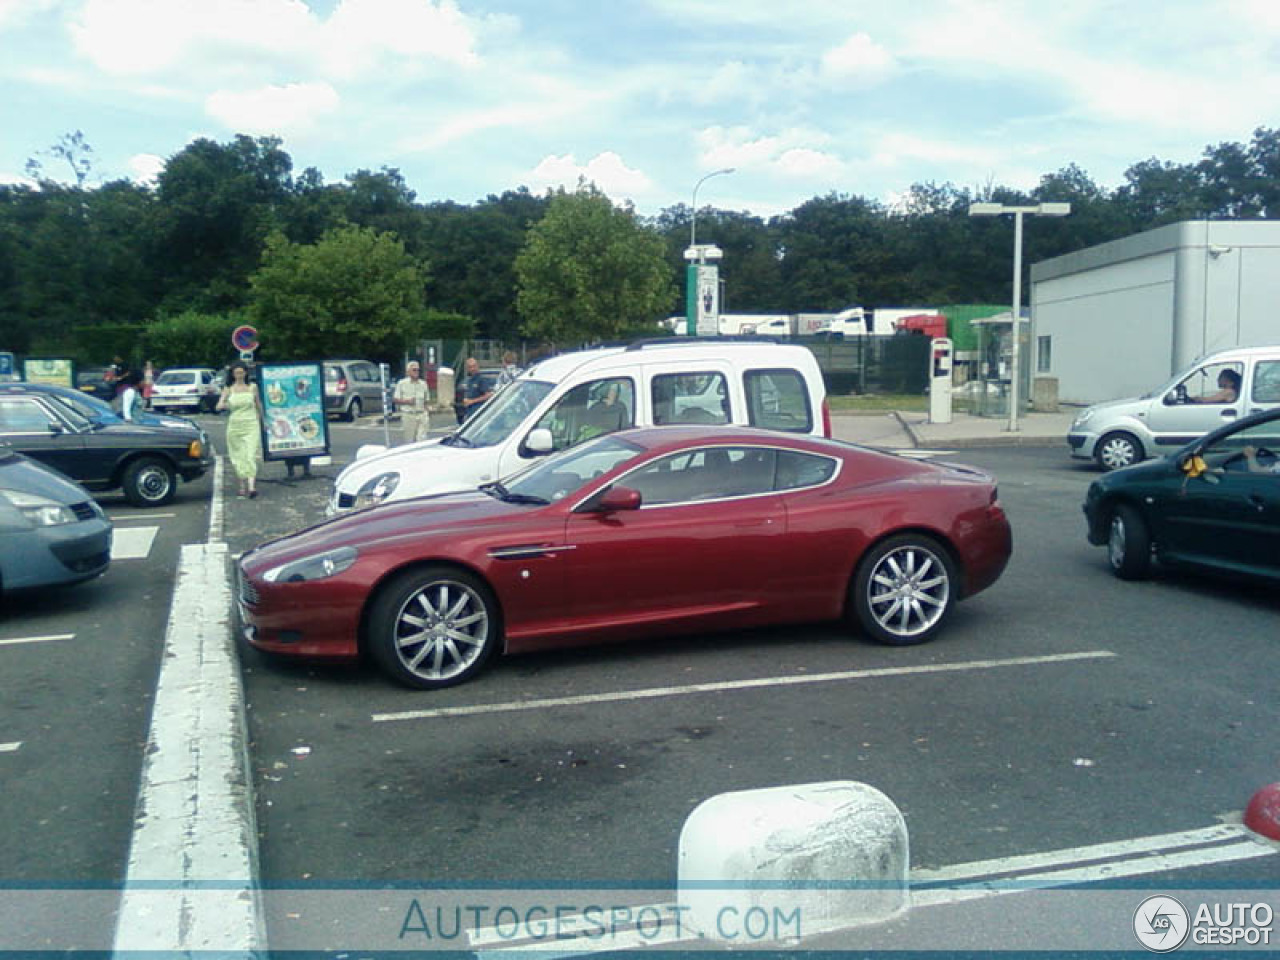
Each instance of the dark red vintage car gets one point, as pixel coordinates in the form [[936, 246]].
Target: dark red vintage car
[[658, 531]]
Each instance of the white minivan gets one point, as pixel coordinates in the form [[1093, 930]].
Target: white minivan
[[564, 400], [1215, 390]]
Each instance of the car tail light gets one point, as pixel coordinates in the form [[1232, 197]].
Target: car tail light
[[826, 418], [342, 385]]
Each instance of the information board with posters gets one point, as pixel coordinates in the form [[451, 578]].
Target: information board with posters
[[293, 422], [59, 371]]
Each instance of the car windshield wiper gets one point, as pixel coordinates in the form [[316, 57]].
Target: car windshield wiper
[[496, 489], [455, 440]]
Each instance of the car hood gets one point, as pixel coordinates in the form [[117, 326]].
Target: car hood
[[425, 467], [19, 473], [181, 432], [1114, 407], [452, 515]]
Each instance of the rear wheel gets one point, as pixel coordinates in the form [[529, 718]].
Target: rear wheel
[[353, 411], [149, 482], [1117, 450], [1129, 544], [434, 627], [904, 589]]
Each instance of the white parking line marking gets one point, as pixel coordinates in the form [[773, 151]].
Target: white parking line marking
[[10, 747], [117, 517], [923, 454], [14, 641], [1160, 853], [656, 692], [132, 543]]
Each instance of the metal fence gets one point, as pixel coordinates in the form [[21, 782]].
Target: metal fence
[[873, 364]]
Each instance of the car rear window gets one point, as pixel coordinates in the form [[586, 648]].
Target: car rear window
[[778, 400]]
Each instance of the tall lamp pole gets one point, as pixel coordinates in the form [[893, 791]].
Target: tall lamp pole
[[696, 255], [1015, 316]]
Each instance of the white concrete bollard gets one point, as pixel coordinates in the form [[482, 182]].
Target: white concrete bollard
[[789, 862]]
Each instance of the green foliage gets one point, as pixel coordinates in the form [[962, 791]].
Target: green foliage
[[98, 345], [589, 271], [355, 291], [191, 339], [439, 325]]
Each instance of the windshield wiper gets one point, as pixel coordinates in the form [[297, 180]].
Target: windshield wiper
[[496, 489], [455, 440]]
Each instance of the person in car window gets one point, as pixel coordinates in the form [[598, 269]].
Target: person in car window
[[1254, 465], [1228, 388]]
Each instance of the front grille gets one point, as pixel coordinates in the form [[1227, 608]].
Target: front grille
[[247, 591], [84, 510]]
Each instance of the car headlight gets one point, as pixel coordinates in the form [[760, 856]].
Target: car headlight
[[40, 511], [1082, 419], [313, 568], [376, 490]]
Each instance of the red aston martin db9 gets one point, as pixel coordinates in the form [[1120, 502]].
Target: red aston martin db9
[[662, 530]]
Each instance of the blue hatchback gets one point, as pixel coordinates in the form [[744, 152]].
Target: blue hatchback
[[51, 530]]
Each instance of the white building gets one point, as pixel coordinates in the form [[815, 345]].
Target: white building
[[1117, 319]]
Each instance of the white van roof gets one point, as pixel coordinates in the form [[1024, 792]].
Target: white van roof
[[759, 351]]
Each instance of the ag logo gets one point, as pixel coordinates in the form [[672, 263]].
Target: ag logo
[[1161, 924]]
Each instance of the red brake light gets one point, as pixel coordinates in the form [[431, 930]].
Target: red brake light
[[342, 384]]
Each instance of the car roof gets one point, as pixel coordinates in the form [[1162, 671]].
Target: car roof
[[675, 437], [1240, 353]]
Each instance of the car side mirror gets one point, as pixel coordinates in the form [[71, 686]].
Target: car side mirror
[[540, 442], [55, 428], [613, 500]]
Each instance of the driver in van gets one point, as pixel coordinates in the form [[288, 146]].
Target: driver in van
[[1228, 388]]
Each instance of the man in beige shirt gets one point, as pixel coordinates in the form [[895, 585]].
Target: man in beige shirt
[[411, 398]]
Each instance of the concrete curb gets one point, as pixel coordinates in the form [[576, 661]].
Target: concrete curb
[[191, 883], [829, 855]]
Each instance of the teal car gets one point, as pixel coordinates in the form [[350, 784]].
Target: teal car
[[1214, 506]]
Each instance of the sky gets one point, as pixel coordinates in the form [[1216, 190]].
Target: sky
[[800, 98]]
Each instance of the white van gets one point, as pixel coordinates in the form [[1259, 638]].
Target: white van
[[564, 400], [1215, 390]]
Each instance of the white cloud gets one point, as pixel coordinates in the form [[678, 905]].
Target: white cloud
[[145, 167], [791, 153], [291, 109], [805, 164], [17, 13], [858, 58], [361, 33], [606, 170]]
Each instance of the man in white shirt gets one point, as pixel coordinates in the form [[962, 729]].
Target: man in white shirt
[[411, 398]]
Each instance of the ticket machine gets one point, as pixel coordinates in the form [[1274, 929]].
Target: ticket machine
[[941, 350]]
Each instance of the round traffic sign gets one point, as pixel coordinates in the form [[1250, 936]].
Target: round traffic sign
[[244, 338]]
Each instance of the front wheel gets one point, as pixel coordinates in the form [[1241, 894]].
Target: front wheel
[[1129, 544], [149, 482], [1117, 450], [434, 627], [904, 590]]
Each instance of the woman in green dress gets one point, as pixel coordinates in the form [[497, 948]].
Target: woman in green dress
[[244, 433]]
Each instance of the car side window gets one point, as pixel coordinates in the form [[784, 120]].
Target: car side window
[[796, 470], [709, 473], [1266, 382], [589, 410], [778, 400], [23, 415], [1212, 383], [690, 398]]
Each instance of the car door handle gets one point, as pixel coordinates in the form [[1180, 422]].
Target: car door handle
[[757, 522], [1257, 501], [1228, 414]]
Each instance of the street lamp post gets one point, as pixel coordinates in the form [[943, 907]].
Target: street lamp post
[[696, 255], [1015, 316], [693, 217]]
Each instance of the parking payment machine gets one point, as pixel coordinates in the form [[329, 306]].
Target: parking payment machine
[[940, 352]]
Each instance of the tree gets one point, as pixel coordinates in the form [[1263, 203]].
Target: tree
[[74, 150], [355, 290], [589, 271]]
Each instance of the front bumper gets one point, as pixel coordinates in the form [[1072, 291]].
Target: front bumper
[[316, 620], [1082, 443], [50, 556]]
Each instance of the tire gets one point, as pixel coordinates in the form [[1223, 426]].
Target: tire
[[904, 589], [1116, 450], [434, 627], [353, 411], [149, 482], [1129, 544]]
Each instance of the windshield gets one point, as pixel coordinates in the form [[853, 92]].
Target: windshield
[[560, 475], [501, 415], [91, 408], [176, 376]]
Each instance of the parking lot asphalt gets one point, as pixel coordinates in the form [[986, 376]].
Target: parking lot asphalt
[[568, 768]]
